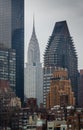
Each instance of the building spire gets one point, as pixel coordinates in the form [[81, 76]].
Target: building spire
[[33, 24], [33, 56]]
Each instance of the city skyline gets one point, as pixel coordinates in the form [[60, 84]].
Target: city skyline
[[47, 13]]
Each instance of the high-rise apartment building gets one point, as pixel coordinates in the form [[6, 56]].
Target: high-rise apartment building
[[33, 71], [60, 52], [12, 36]]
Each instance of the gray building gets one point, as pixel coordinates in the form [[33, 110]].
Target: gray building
[[33, 71], [11, 18], [5, 22], [12, 36]]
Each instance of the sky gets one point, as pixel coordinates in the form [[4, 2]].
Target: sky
[[47, 13]]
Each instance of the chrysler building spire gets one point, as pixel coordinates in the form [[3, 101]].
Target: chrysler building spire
[[33, 25], [33, 49]]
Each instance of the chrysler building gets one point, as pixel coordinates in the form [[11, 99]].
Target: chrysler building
[[33, 71]]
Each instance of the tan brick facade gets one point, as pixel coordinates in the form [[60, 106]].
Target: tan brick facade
[[60, 90]]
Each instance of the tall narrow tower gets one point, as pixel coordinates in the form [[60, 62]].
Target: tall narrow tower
[[33, 71], [60, 52], [12, 37], [18, 44]]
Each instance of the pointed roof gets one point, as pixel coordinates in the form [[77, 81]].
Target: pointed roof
[[33, 36], [33, 25], [33, 32], [34, 55], [61, 28]]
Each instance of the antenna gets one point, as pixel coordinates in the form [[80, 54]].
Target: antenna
[[33, 23]]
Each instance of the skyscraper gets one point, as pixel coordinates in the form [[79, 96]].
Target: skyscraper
[[60, 52], [33, 71], [18, 44], [12, 36]]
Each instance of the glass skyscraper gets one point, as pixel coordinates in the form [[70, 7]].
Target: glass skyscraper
[[60, 52], [18, 44], [12, 36]]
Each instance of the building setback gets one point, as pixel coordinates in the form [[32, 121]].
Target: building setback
[[12, 36], [33, 71], [60, 52]]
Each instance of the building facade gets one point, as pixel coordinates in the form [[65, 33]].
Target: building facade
[[60, 90], [18, 44], [8, 66], [47, 75], [60, 52], [33, 71], [80, 89], [5, 22], [12, 36]]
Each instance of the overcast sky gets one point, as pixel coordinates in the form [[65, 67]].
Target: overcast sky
[[47, 13]]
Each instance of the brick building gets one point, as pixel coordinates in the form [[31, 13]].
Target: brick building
[[60, 90]]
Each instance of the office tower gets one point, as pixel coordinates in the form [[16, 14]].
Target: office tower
[[18, 44], [60, 90], [12, 36], [8, 66], [60, 52], [33, 71], [80, 89], [11, 18]]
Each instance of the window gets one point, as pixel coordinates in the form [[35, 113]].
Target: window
[[50, 128]]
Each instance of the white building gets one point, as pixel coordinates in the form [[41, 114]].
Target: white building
[[34, 71]]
